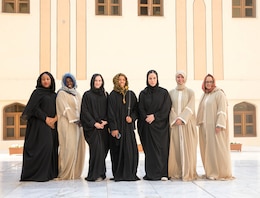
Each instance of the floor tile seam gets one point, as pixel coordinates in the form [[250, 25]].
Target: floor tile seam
[[206, 191]]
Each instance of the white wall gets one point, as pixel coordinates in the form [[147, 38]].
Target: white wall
[[132, 45]]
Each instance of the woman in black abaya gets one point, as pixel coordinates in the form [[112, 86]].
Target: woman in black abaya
[[153, 127], [122, 113], [93, 118], [40, 155]]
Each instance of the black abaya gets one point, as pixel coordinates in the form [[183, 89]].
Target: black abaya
[[40, 156], [155, 136], [124, 152], [94, 109]]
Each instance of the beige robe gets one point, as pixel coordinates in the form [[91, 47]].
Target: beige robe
[[184, 138], [214, 147], [71, 137]]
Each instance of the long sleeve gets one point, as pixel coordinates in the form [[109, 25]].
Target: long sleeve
[[164, 111], [221, 110], [189, 109], [66, 108], [86, 117], [112, 120]]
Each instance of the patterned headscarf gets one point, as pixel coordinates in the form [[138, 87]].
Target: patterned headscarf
[[119, 89], [204, 84]]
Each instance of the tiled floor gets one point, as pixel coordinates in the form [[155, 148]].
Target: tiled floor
[[246, 169]]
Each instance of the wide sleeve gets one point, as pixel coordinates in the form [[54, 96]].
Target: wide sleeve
[[221, 110], [163, 112], [87, 120], [173, 115], [134, 107], [113, 125], [65, 108], [141, 107], [33, 109], [189, 108]]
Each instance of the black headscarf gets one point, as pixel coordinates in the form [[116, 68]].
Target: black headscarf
[[149, 87], [101, 89], [37, 94], [39, 81]]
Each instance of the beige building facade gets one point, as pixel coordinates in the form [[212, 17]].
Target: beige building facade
[[197, 36]]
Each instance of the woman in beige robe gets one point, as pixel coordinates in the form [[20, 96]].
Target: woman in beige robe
[[71, 137], [183, 133], [212, 120]]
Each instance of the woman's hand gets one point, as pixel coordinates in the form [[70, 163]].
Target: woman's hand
[[78, 123], [115, 133], [218, 129], [104, 122], [150, 118], [98, 125], [128, 119], [178, 122], [51, 121]]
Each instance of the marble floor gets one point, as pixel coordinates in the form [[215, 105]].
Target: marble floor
[[246, 169]]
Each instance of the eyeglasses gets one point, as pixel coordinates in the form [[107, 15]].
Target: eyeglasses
[[209, 81]]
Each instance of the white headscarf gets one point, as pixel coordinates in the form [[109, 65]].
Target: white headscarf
[[181, 87]]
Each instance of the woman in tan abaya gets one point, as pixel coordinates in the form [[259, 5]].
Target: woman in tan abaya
[[212, 120], [183, 133], [71, 137]]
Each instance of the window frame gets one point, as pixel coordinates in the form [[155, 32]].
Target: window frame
[[108, 8], [243, 8], [16, 126], [16, 6], [243, 124], [150, 5]]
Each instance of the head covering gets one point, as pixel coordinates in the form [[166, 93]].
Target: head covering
[[39, 81], [101, 89], [181, 87], [37, 95], [204, 84], [117, 88], [150, 72], [149, 88], [64, 86]]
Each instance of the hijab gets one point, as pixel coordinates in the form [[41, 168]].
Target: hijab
[[101, 89], [64, 86], [37, 95], [149, 88], [117, 88], [204, 84], [39, 82], [181, 87]]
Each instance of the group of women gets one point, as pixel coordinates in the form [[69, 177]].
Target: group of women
[[58, 125]]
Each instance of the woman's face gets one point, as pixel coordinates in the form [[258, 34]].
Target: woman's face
[[180, 79], [121, 81], [209, 82], [69, 83], [98, 82], [45, 80], [152, 79]]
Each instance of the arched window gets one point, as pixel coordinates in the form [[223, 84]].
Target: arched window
[[244, 120], [13, 125]]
